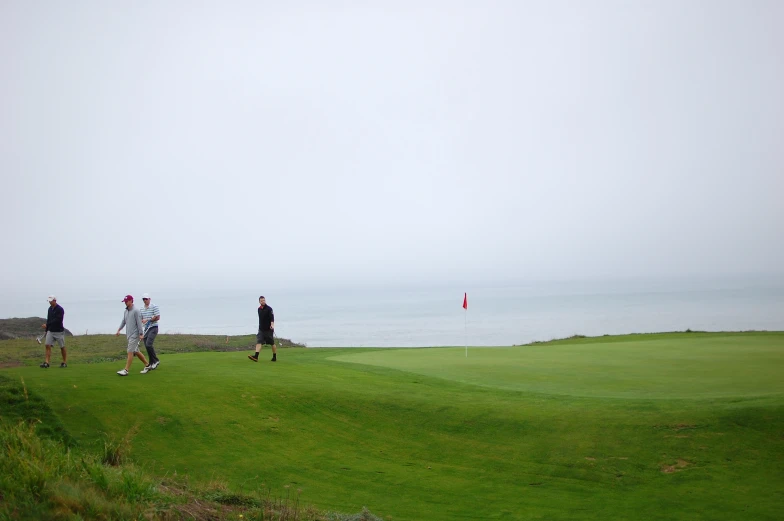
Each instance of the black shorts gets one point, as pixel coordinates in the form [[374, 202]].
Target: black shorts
[[265, 337]]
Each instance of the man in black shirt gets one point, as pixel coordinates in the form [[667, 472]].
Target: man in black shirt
[[266, 334], [55, 332]]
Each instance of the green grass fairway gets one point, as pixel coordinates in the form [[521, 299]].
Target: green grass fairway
[[653, 427]]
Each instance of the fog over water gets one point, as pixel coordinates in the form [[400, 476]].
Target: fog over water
[[241, 148]]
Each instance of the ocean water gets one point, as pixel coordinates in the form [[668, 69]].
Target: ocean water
[[503, 314]]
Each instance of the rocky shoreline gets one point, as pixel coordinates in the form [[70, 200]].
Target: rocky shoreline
[[30, 327]]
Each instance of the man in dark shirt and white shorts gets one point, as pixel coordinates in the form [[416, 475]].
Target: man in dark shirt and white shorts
[[266, 334], [55, 331]]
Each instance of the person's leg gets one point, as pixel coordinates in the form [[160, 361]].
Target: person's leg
[[149, 340], [49, 342], [63, 352], [133, 346], [140, 355], [259, 340], [269, 338], [133, 349]]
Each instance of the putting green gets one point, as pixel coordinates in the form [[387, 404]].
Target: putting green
[[689, 367]]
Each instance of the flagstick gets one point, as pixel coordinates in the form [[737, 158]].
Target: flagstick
[[465, 335]]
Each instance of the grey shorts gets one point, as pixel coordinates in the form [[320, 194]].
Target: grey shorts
[[133, 344], [51, 338]]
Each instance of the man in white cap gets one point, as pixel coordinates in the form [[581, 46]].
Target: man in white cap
[[55, 332], [150, 317]]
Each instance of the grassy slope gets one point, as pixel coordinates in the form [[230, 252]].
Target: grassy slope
[[554, 431], [17, 405], [44, 475]]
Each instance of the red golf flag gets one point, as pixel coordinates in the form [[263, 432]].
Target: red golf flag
[[465, 301]]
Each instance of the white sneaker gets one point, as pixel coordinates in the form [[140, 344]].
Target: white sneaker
[[146, 369], [122, 372], [155, 365]]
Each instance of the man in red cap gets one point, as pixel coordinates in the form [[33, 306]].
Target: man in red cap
[[133, 332]]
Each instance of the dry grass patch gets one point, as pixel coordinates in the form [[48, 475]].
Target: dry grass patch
[[681, 464]]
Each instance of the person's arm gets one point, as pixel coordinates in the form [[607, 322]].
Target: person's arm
[[60, 316], [272, 319], [139, 325], [157, 315], [122, 325]]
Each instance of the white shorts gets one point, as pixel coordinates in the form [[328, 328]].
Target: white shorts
[[133, 344], [51, 338]]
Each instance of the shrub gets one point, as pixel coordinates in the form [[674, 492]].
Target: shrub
[[116, 452]]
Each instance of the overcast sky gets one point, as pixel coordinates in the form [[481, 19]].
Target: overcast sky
[[287, 144]]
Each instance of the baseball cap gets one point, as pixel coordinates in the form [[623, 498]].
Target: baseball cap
[[128, 298], [146, 295], [51, 298]]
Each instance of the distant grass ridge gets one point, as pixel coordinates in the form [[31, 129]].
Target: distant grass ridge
[[110, 348], [642, 336]]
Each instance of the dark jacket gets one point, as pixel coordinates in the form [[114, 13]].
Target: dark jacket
[[54, 319], [266, 318]]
